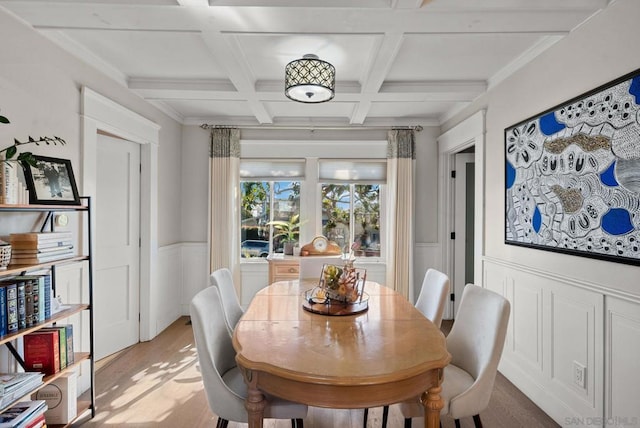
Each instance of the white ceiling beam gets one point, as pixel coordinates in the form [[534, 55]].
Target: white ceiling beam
[[237, 70], [61, 15], [271, 90]]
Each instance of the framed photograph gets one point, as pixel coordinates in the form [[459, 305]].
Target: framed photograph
[[51, 182], [572, 175]]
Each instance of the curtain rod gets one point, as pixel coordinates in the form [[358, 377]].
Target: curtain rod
[[416, 128]]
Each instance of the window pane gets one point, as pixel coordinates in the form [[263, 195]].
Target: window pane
[[255, 211], [366, 213], [336, 213], [286, 207]]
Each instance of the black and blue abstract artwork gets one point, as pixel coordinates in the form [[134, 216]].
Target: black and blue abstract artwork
[[573, 175]]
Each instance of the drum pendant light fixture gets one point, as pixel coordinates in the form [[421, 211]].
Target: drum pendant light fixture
[[309, 80]]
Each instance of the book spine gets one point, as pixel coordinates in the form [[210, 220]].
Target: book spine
[[47, 296], [28, 303], [42, 315], [2, 180], [3, 311], [12, 308], [62, 344], [40, 237], [22, 307], [42, 351], [35, 292], [49, 245], [70, 354]]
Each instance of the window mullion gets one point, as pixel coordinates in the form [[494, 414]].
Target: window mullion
[[352, 223], [271, 211]]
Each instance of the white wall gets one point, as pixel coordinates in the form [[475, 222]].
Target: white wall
[[565, 309], [40, 93]]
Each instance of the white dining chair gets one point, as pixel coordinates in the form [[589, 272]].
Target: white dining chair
[[433, 296], [223, 383], [431, 302], [223, 279], [475, 343]]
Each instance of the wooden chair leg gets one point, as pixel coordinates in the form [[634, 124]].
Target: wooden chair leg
[[477, 421], [407, 422], [457, 422], [385, 416], [222, 423], [366, 416]]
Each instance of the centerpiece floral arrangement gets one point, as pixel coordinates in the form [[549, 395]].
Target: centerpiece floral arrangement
[[343, 283]]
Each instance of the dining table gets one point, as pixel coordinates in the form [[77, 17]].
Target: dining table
[[384, 353]]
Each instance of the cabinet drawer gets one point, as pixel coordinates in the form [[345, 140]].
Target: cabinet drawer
[[289, 270]]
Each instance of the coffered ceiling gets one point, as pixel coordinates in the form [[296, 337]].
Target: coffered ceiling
[[222, 61]]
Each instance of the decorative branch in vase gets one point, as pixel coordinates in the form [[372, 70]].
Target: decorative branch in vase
[[11, 151]]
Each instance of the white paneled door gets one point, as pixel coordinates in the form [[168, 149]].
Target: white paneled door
[[117, 248]]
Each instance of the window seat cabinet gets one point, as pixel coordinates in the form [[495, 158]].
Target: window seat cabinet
[[84, 407]]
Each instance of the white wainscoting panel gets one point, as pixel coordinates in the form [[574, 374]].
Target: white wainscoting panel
[[576, 322], [376, 271], [427, 255], [255, 276], [556, 327], [622, 375], [195, 272], [169, 287]]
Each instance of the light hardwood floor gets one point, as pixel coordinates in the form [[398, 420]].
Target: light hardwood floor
[[157, 384]]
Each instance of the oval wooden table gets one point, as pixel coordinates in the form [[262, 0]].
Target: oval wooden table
[[388, 354]]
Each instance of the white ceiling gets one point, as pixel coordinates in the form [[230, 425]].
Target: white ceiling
[[222, 61]]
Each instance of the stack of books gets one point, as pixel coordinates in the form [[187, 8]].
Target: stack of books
[[12, 190], [40, 247], [25, 300], [14, 386], [26, 414], [49, 350]]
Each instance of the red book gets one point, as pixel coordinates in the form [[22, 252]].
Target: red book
[[42, 352]]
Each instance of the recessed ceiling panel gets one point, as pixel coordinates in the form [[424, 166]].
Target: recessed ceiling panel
[[268, 54], [152, 53], [410, 109], [295, 109], [206, 108], [454, 57]]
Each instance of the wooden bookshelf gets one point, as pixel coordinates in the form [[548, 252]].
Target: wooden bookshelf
[[65, 313]]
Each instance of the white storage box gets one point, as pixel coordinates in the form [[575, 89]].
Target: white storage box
[[62, 400]]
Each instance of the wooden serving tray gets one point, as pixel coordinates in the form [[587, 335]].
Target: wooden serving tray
[[334, 307]]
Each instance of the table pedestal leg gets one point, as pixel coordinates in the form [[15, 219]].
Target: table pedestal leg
[[432, 403], [255, 402]]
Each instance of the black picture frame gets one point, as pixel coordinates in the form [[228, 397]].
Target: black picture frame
[[572, 175], [51, 182]]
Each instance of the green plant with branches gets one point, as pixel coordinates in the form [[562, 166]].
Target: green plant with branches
[[25, 157], [288, 231]]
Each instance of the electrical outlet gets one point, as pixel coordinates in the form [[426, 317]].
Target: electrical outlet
[[579, 374]]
